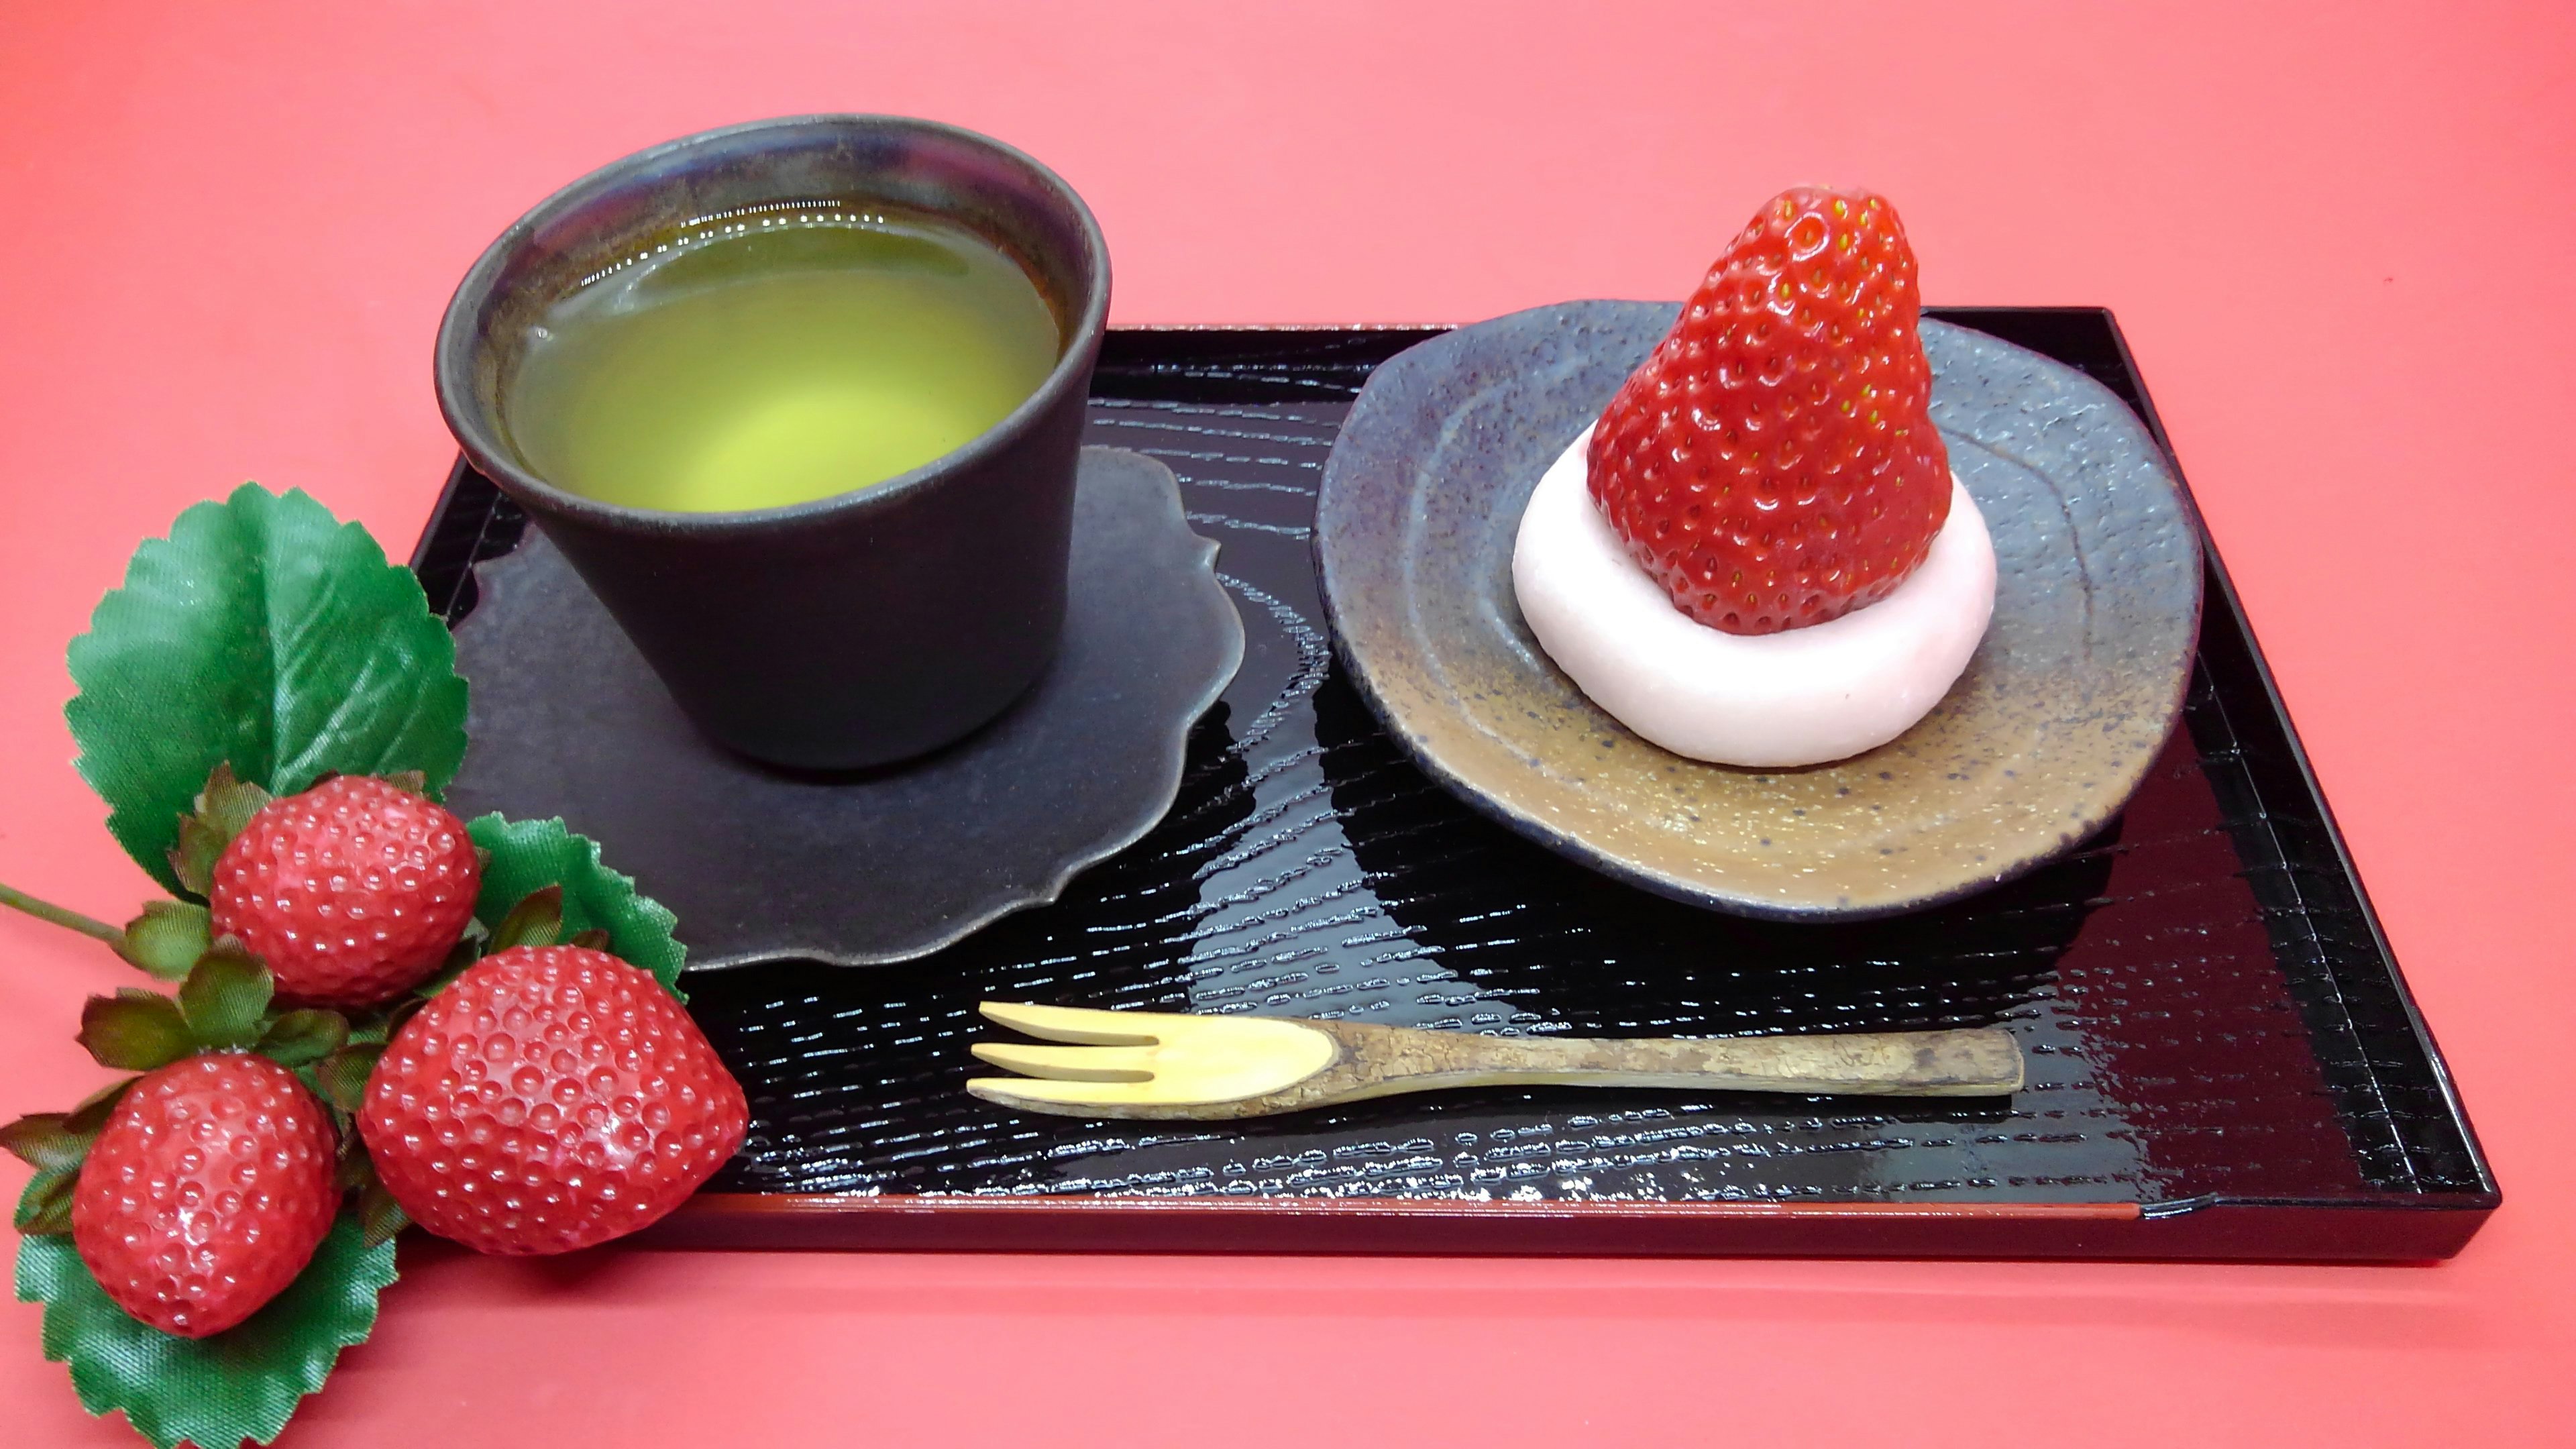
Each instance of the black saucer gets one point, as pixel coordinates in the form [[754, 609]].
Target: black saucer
[[858, 869]]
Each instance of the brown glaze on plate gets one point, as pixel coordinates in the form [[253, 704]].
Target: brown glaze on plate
[[2040, 743]]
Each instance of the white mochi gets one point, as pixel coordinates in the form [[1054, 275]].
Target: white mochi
[[1799, 697]]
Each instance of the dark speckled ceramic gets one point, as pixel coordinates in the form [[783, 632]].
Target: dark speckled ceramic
[[876, 866], [841, 632], [2055, 721]]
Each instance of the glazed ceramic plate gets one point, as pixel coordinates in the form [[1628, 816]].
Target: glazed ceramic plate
[[888, 864], [2066, 702]]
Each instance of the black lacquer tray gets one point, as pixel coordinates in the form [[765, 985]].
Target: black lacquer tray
[[2224, 1060]]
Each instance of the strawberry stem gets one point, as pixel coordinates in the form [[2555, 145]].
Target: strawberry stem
[[18, 900]]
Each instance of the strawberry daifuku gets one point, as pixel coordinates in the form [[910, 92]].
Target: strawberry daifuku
[[550, 1098], [1758, 556]]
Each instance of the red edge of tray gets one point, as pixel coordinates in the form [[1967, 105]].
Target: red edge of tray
[[2361, 1230]]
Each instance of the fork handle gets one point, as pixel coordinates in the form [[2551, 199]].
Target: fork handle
[[1377, 1061]]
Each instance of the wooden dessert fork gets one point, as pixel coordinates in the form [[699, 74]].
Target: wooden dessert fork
[[1212, 1068]]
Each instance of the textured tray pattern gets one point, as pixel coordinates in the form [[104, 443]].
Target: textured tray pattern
[[2207, 1010]]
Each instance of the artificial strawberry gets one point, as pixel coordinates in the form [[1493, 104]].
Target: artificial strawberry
[[550, 1098], [1773, 464], [352, 892], [207, 1192]]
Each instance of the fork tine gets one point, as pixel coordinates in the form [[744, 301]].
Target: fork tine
[[1074, 1024], [1070, 1063], [1066, 1099]]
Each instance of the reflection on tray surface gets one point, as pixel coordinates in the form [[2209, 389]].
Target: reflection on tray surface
[[2181, 1038]]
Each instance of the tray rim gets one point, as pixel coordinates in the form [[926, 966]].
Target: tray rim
[[2385, 1228], [2379, 1226], [2216, 568]]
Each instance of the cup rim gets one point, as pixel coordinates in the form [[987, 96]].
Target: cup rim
[[475, 428]]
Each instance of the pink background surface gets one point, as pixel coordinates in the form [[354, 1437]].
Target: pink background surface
[[2339, 240]]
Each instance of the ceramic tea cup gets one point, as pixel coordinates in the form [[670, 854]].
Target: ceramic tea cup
[[856, 629]]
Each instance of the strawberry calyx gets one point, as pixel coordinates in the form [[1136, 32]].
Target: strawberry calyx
[[223, 1004], [536, 920], [352, 890], [56, 1144], [168, 938], [379, 1216], [223, 808]]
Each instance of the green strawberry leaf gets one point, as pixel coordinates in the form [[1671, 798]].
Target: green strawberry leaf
[[529, 855], [224, 999], [45, 1208], [340, 1078], [295, 1038], [135, 1030], [243, 1383], [264, 633], [167, 938]]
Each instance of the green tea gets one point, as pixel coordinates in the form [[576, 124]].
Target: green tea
[[780, 359]]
